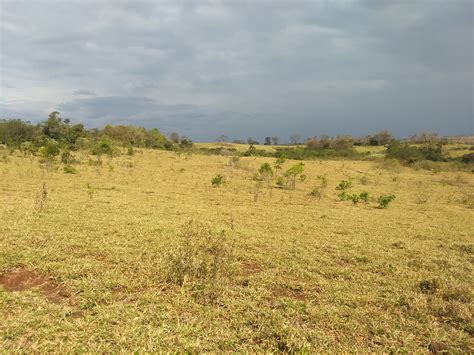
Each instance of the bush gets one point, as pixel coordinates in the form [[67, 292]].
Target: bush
[[343, 196], [70, 170], [354, 198], [317, 192], [217, 180], [468, 158], [296, 171], [104, 147], [385, 200], [201, 260], [49, 150], [410, 154], [364, 196], [266, 170], [324, 180], [344, 185], [278, 163]]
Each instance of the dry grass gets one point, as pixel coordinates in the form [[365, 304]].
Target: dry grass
[[298, 273]]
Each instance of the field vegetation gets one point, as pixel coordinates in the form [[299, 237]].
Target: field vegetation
[[110, 245]]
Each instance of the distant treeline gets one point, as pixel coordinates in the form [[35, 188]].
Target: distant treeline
[[422, 146], [16, 133], [56, 134]]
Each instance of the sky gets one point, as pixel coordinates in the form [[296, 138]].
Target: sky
[[242, 68]]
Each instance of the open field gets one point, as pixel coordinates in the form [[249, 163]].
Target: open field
[[103, 260]]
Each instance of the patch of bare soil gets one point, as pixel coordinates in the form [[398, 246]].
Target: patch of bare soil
[[251, 267], [288, 293], [22, 280]]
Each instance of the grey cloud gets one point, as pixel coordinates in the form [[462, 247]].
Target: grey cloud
[[83, 93], [244, 68]]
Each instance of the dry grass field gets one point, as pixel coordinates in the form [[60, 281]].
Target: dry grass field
[[143, 254]]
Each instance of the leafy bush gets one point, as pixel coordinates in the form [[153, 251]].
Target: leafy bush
[[217, 180], [385, 200], [364, 196], [281, 181], [293, 173], [410, 154], [70, 170], [49, 150], [343, 195], [266, 170], [344, 185], [278, 163], [103, 147], [354, 198]]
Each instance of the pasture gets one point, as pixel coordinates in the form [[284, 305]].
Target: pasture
[[142, 253]]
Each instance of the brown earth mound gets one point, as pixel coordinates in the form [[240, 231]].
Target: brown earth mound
[[22, 279]]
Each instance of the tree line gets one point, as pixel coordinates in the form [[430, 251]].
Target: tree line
[[16, 133]]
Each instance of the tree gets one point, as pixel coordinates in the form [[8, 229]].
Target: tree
[[426, 137], [54, 127], [275, 140], [381, 138], [252, 141], [292, 173], [222, 138], [295, 139], [186, 142], [174, 137], [267, 141]]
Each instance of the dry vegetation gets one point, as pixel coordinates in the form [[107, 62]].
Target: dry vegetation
[[142, 253]]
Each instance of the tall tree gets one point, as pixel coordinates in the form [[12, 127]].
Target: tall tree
[[295, 139]]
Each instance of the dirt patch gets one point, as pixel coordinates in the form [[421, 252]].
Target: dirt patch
[[22, 280], [251, 267], [288, 293]]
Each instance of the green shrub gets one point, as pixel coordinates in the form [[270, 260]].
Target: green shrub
[[385, 200], [317, 192], [70, 170], [364, 196], [281, 181], [104, 147], [278, 163], [324, 180], [354, 198], [49, 150], [410, 154], [217, 180], [343, 196], [266, 170], [293, 173], [344, 185]]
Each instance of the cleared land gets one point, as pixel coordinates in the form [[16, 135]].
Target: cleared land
[[91, 261]]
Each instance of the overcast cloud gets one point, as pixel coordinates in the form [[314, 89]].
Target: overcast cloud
[[242, 68]]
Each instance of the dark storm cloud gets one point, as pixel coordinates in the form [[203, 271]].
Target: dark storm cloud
[[243, 68]]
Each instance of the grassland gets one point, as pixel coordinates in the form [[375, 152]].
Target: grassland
[[88, 261]]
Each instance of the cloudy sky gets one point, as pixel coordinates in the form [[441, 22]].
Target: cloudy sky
[[242, 68]]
